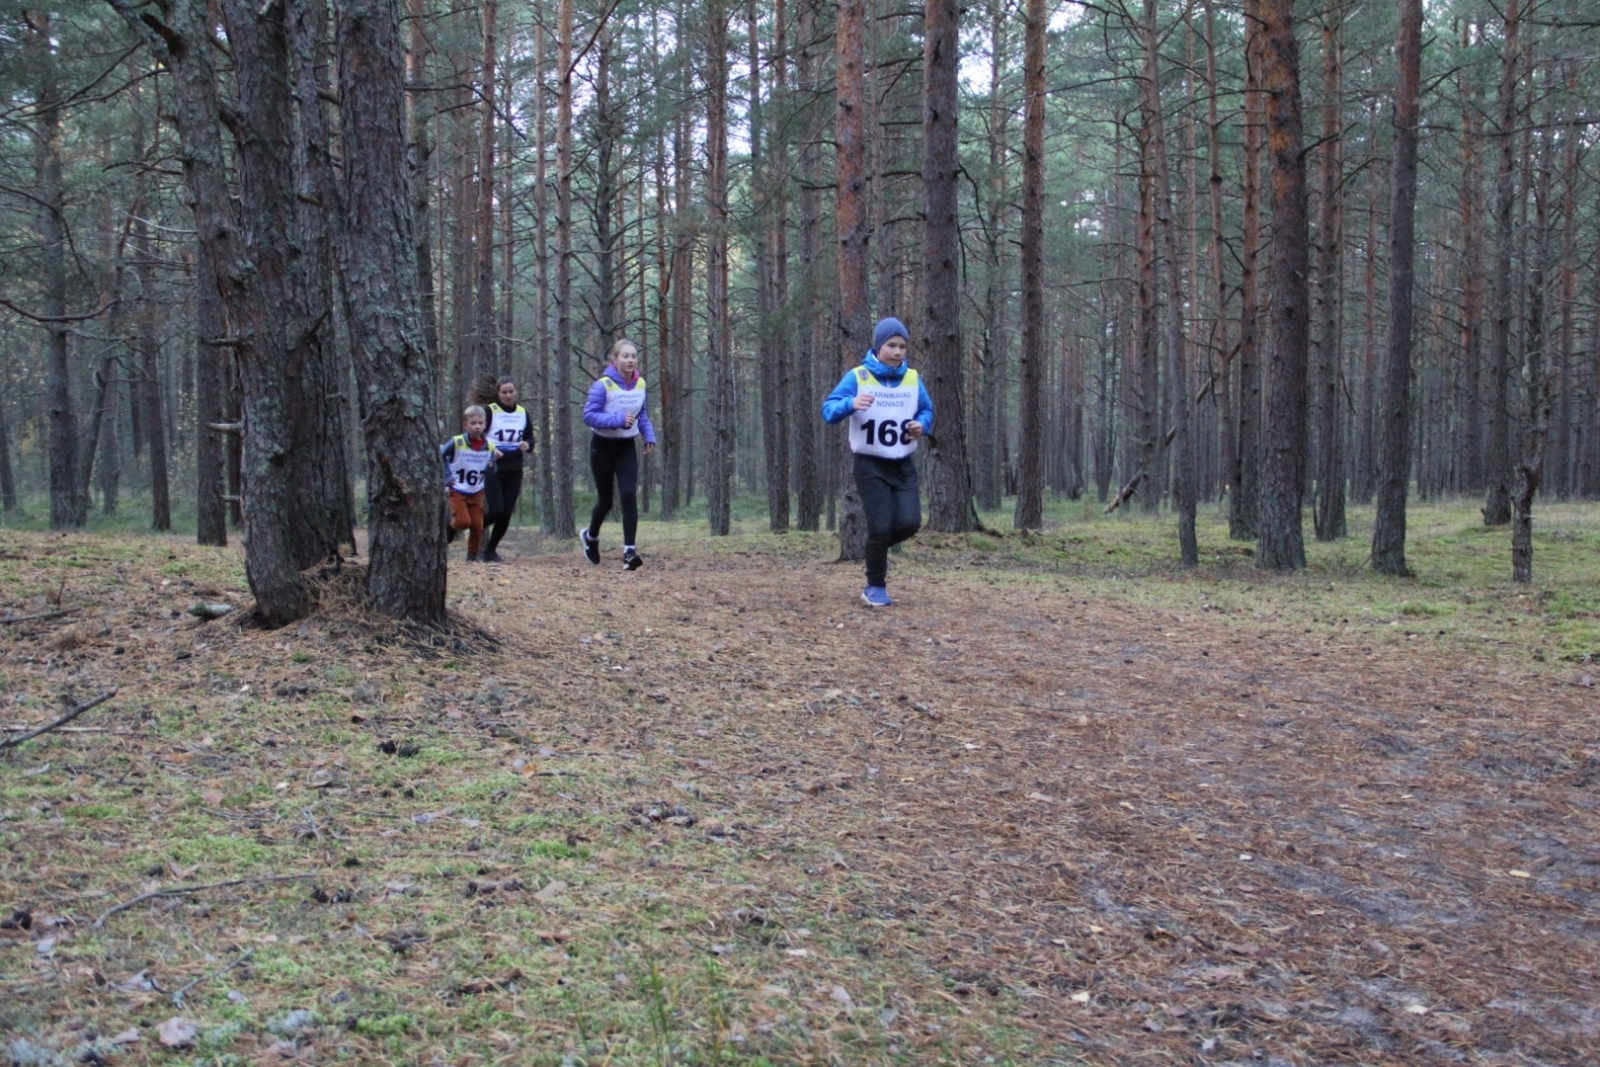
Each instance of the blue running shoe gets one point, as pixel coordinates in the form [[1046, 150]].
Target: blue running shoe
[[876, 596]]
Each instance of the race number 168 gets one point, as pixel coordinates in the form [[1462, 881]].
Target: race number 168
[[886, 432]]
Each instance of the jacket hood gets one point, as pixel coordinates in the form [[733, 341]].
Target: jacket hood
[[615, 375], [883, 372]]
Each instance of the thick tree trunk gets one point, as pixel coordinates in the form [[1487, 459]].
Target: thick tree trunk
[[855, 329], [1280, 543], [945, 462], [1244, 506], [1389, 532], [1497, 461], [1029, 514], [1330, 517], [394, 371], [719, 365], [566, 519]]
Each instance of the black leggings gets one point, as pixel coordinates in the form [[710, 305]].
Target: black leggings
[[893, 508], [502, 489], [615, 458]]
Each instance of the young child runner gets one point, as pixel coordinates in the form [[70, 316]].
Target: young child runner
[[468, 461], [889, 411], [615, 411], [511, 433]]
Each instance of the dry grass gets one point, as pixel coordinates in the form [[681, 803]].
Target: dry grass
[[1017, 818]]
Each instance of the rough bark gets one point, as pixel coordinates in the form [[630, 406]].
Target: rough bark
[[1389, 531], [945, 462], [149, 350], [719, 368], [1029, 513], [394, 369], [1497, 459], [1244, 506], [1330, 517], [1183, 487], [548, 523], [485, 359], [1280, 543], [854, 329], [1535, 378], [770, 355], [566, 519], [68, 505], [809, 318], [1470, 461]]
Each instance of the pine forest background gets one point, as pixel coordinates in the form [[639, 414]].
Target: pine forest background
[[742, 189]]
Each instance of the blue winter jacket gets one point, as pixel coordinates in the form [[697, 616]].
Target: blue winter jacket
[[841, 402]]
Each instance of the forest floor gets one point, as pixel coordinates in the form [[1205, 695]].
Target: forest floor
[[1061, 804]]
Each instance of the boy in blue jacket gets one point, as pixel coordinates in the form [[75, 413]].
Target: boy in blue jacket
[[889, 411]]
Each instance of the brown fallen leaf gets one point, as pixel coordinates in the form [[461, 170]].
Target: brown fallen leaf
[[489, 985], [553, 935]]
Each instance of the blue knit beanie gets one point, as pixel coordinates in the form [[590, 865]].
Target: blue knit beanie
[[887, 328]]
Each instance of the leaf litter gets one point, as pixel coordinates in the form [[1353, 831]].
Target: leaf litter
[[1017, 825]]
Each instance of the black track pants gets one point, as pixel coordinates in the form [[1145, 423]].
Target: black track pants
[[501, 491], [615, 459], [893, 508]]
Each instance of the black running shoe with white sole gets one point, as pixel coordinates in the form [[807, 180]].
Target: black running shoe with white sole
[[591, 548], [631, 560]]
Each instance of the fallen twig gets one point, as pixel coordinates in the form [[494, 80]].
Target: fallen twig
[[177, 994], [184, 890], [12, 742], [8, 619]]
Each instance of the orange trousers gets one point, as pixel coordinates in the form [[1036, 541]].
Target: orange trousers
[[466, 513]]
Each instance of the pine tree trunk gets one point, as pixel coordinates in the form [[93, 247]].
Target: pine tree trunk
[[1389, 531], [809, 316], [1029, 514], [1497, 461], [719, 368], [773, 377], [1228, 457], [485, 359], [989, 480], [1183, 489], [1280, 543], [945, 462], [1330, 517], [1536, 381], [1470, 461], [855, 329], [393, 367], [566, 520], [1244, 507], [68, 507], [149, 350]]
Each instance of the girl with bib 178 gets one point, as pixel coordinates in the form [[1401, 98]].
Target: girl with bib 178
[[614, 410], [889, 411]]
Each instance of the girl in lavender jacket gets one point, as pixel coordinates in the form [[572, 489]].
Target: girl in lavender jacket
[[615, 411]]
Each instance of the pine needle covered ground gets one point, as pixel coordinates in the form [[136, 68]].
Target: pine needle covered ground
[[1062, 804]]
